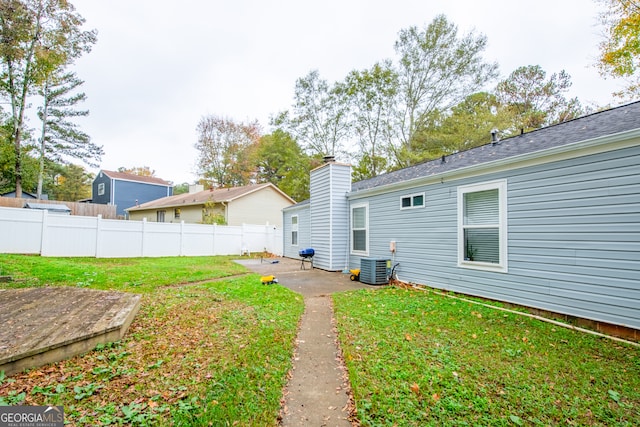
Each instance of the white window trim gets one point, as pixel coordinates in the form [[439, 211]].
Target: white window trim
[[355, 206], [501, 186], [411, 196], [295, 227], [101, 189]]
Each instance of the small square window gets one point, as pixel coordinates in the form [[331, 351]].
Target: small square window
[[412, 201]]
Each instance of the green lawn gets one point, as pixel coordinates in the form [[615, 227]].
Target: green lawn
[[212, 346], [420, 358], [137, 275], [196, 354]]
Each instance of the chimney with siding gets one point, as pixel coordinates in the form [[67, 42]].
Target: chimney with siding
[[329, 211]]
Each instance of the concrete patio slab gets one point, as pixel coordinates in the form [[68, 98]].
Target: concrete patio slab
[[46, 325], [308, 282]]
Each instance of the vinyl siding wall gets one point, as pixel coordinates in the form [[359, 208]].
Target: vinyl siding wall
[[189, 214], [125, 193], [330, 215], [260, 207], [304, 230], [105, 198], [573, 237]]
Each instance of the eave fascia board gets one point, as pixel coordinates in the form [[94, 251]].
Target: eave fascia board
[[182, 205]]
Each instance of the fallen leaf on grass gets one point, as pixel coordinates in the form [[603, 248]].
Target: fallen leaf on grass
[[415, 388], [516, 420]]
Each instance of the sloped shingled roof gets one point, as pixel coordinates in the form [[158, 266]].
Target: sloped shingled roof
[[608, 122], [201, 197], [132, 177]]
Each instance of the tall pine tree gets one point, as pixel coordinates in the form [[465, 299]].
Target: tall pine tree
[[36, 38], [61, 139]]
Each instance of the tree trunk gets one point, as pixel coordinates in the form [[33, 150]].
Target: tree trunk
[[45, 112], [18, 167]]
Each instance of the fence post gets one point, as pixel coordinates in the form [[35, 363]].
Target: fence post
[[213, 242], [43, 234], [144, 223], [270, 237], [98, 235], [243, 241], [181, 238]]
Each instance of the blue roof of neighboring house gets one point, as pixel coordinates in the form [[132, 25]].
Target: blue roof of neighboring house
[[607, 122]]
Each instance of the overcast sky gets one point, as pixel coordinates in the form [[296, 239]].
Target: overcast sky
[[159, 65]]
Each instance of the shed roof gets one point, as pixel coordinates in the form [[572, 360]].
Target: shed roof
[[139, 178], [53, 207], [607, 122], [214, 195]]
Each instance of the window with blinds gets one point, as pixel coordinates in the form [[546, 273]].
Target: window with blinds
[[482, 226], [294, 230], [359, 229]]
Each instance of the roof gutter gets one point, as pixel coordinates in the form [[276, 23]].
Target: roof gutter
[[616, 141], [181, 205]]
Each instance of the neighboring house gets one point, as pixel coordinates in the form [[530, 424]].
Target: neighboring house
[[549, 219], [252, 204], [125, 190]]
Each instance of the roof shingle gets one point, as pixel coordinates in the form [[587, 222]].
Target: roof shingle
[[132, 177], [607, 122], [214, 195]]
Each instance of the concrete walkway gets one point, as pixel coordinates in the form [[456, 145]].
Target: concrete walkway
[[318, 389]]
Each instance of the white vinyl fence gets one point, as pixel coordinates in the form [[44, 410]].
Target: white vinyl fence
[[26, 231]]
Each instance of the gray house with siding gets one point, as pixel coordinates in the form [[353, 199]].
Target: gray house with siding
[[125, 190], [548, 220]]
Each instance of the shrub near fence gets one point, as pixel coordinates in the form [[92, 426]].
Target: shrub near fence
[[27, 231]]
